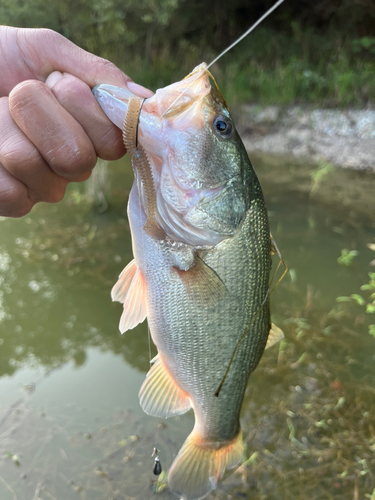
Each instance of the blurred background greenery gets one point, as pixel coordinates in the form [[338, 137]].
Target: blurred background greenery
[[320, 51]]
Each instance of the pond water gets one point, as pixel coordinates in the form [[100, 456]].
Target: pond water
[[70, 422]]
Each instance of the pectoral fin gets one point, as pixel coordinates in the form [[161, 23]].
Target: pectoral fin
[[130, 290], [203, 284], [274, 336], [160, 396]]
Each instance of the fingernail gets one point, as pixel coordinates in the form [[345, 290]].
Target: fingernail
[[53, 78], [139, 90]]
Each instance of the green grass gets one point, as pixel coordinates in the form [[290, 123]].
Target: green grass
[[270, 68]]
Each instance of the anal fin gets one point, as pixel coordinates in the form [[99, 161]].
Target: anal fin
[[130, 290], [160, 396], [274, 336]]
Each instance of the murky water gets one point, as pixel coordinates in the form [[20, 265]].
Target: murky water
[[70, 423]]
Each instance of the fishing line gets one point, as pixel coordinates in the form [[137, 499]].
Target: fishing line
[[274, 250], [252, 28], [149, 342], [130, 139], [239, 342], [137, 126], [261, 19], [273, 243]]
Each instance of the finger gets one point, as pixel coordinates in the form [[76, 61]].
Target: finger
[[59, 138], [23, 161], [76, 97], [14, 199], [50, 51]]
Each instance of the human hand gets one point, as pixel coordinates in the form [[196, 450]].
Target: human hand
[[51, 127]]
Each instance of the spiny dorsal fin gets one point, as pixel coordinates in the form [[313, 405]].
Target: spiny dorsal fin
[[130, 290], [203, 285], [160, 396], [274, 336]]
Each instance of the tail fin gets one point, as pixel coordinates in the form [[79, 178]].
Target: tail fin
[[199, 464]]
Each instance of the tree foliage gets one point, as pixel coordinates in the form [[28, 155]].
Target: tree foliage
[[108, 25], [314, 49]]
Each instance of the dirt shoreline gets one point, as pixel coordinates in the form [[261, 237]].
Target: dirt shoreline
[[345, 138]]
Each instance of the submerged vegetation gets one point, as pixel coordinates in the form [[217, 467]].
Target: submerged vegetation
[[309, 412], [309, 433], [368, 302], [314, 51]]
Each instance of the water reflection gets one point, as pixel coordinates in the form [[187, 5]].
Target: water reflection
[[57, 268], [56, 277]]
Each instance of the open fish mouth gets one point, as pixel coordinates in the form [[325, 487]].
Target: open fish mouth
[[198, 185], [167, 102]]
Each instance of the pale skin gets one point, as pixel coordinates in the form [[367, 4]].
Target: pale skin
[[51, 128]]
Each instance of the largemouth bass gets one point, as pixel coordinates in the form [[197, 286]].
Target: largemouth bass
[[201, 268]]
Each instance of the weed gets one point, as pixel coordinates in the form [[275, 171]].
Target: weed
[[324, 169], [347, 257], [369, 303]]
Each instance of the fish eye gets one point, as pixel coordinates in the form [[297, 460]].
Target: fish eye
[[223, 127]]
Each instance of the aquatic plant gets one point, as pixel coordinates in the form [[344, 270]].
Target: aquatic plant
[[317, 176], [347, 257], [369, 302]]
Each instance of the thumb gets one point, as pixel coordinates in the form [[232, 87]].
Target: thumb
[[48, 51]]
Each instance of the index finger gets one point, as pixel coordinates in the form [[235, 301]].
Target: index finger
[[42, 51]]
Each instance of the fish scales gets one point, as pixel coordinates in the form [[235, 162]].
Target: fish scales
[[182, 331], [203, 285]]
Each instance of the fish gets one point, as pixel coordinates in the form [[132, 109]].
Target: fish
[[201, 269]]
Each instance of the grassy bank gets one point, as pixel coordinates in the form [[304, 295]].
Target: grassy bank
[[320, 52], [272, 68]]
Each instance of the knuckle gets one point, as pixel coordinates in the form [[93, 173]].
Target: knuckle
[[10, 196], [17, 158], [14, 201], [106, 66], [77, 163], [48, 37], [26, 89], [110, 146], [21, 211], [70, 87], [85, 160], [56, 194], [24, 95]]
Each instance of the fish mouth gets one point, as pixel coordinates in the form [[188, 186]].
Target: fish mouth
[[180, 96], [163, 111], [167, 102], [113, 101], [170, 123]]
